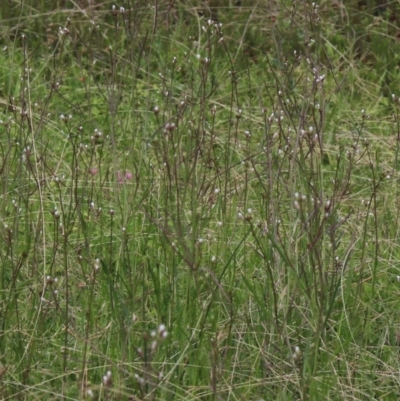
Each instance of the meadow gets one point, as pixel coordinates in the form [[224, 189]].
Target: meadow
[[199, 200]]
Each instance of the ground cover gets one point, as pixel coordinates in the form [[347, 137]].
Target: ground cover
[[199, 201]]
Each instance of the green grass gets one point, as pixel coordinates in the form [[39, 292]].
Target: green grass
[[207, 210]]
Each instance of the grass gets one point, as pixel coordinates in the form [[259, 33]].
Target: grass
[[197, 209]]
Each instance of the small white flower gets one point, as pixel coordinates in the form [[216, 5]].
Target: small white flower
[[297, 353], [139, 379]]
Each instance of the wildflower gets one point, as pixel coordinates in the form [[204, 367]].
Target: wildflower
[[50, 280], [124, 176], [297, 353], [63, 31], [107, 381], [162, 332], [93, 171], [139, 379], [170, 126]]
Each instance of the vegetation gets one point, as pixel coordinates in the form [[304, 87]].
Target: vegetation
[[199, 201]]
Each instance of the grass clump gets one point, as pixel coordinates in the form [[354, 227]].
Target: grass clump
[[199, 202]]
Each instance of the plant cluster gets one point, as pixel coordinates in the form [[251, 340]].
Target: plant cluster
[[199, 201]]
